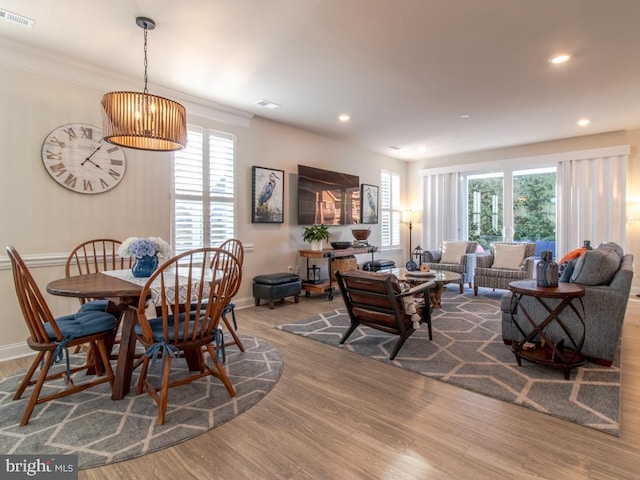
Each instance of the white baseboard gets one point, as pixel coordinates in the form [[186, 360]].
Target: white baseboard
[[15, 350]]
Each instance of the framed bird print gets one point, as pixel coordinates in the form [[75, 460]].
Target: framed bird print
[[268, 195], [368, 203]]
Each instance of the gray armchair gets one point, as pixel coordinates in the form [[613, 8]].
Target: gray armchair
[[493, 269], [604, 310], [465, 266]]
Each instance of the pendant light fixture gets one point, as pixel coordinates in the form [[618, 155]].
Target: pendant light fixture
[[141, 120]]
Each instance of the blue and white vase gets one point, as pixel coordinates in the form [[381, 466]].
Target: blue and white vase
[[547, 270], [145, 266]]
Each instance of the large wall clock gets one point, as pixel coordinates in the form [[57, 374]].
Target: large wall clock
[[77, 158]]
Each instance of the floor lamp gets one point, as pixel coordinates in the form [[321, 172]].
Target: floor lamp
[[407, 217]]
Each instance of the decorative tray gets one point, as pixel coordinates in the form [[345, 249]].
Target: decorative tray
[[421, 274]]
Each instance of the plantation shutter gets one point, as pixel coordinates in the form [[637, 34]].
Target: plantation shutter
[[204, 190], [390, 209]]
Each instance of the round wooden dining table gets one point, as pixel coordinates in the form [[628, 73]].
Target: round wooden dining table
[[122, 293]]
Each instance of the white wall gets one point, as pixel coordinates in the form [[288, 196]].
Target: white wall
[[45, 221]]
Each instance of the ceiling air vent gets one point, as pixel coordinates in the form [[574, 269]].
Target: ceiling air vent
[[267, 104], [15, 18]]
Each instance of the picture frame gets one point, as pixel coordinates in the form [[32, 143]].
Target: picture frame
[[267, 193], [368, 204]]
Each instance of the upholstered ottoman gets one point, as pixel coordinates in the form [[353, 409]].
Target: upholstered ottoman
[[276, 286], [377, 265]]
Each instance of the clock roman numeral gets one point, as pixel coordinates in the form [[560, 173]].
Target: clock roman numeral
[[71, 180], [103, 184], [69, 131], [54, 155], [58, 168], [87, 132], [116, 162], [60, 143], [86, 185], [113, 149], [113, 173]]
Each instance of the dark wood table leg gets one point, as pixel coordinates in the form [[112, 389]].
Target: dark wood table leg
[[124, 367]]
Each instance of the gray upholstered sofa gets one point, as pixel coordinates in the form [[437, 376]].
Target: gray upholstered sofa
[[606, 275]]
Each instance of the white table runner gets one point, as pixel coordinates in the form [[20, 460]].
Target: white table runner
[[183, 295]]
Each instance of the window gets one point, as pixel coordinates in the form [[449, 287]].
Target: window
[[513, 205], [390, 212], [203, 190]]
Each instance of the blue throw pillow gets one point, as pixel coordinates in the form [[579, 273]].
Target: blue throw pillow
[[566, 270]]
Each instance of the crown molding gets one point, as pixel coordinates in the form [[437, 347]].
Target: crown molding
[[49, 64]]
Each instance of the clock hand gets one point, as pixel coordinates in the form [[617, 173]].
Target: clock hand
[[88, 159], [91, 161]]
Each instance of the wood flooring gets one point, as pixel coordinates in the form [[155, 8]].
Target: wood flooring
[[337, 415]]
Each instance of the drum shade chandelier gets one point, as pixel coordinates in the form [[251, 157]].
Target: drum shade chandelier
[[141, 120]]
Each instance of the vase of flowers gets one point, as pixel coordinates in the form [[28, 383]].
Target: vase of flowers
[[146, 252]]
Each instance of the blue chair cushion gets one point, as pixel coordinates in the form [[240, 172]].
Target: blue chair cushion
[[94, 305], [156, 326], [82, 324]]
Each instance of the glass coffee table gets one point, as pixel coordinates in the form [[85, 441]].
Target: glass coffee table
[[439, 277]]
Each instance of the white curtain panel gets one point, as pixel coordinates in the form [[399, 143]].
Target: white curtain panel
[[441, 212], [591, 195]]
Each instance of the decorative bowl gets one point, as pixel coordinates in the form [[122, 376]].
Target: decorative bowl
[[340, 245], [360, 234]]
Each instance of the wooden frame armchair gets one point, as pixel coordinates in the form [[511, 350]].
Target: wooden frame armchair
[[378, 301], [51, 337], [195, 286]]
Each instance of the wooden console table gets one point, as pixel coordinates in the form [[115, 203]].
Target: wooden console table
[[326, 285], [547, 352]]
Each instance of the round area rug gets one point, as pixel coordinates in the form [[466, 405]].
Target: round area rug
[[102, 431]]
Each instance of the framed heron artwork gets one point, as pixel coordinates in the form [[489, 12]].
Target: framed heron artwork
[[368, 203], [268, 195]]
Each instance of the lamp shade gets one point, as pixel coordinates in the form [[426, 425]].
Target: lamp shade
[[143, 121]]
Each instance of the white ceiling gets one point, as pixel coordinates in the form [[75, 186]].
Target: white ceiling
[[405, 70]]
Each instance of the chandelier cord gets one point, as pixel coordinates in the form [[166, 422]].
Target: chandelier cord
[[146, 64]]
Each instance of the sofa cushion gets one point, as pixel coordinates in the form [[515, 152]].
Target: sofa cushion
[[612, 246], [596, 267], [453, 250], [508, 257]]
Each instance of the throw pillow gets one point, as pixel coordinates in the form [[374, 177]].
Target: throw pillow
[[578, 252], [453, 250], [596, 267], [566, 270], [508, 257], [612, 246]]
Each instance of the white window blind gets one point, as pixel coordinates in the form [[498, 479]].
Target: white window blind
[[204, 190], [390, 211]]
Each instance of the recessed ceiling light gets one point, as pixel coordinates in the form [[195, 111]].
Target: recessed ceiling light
[[563, 57], [267, 104], [344, 117], [464, 115], [394, 147], [422, 148], [583, 122]]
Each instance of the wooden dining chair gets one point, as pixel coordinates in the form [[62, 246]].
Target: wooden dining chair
[[51, 338], [236, 248], [190, 291], [95, 256]]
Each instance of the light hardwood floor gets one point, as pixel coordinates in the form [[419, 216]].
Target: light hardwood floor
[[336, 415]]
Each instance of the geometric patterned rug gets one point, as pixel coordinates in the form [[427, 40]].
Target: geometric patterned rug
[[103, 431], [467, 351]]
